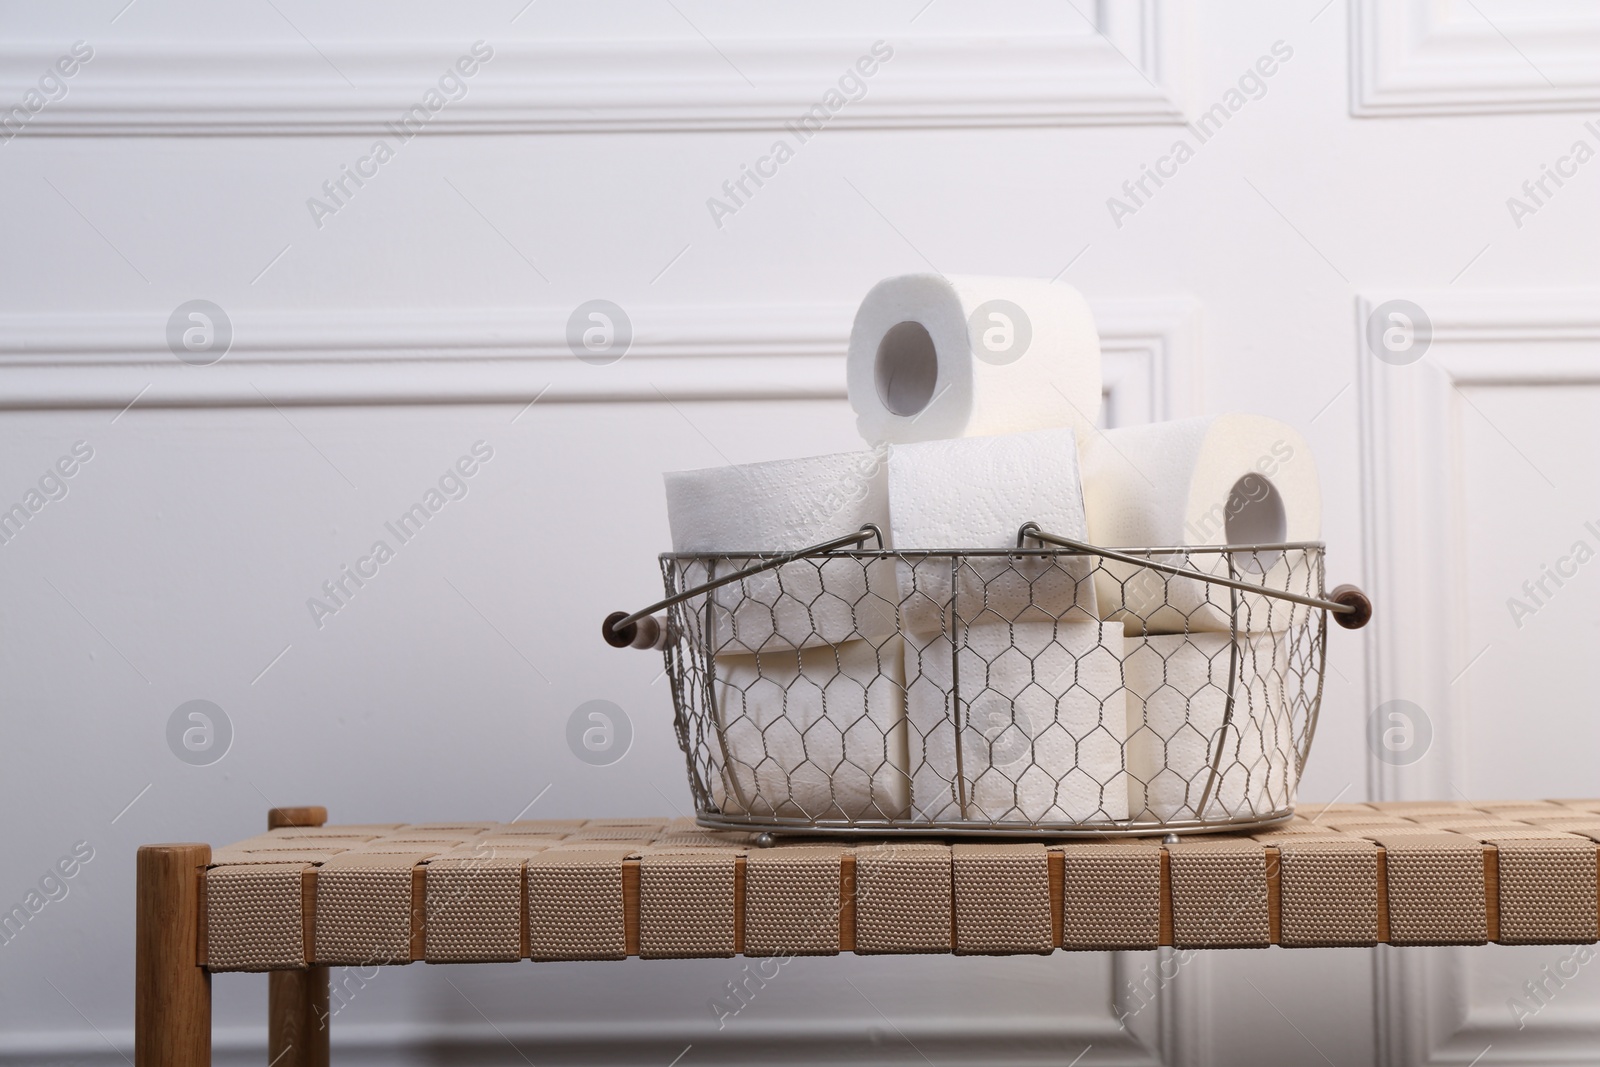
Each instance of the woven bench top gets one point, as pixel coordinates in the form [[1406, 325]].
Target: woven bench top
[[1513, 872]]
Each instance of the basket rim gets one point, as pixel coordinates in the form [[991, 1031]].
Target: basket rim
[[944, 553], [975, 828]]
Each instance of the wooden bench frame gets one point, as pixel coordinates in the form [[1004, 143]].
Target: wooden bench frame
[[172, 996]]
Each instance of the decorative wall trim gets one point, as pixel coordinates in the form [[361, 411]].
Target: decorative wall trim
[[1443, 57], [1150, 359], [1044, 1040], [455, 357], [1126, 68], [1413, 550]]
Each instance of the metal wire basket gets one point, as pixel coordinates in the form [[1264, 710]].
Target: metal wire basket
[[1053, 689]]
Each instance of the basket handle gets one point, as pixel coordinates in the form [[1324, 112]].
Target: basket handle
[[1351, 608], [642, 630]]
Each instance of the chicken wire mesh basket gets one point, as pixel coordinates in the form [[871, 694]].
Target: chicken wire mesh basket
[[1055, 689]]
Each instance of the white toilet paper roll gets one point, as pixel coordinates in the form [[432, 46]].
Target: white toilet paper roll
[[1042, 718], [975, 493], [934, 357], [1226, 479], [1178, 687], [817, 733], [780, 506]]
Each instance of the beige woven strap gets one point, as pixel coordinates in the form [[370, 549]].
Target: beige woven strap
[[522, 840], [472, 910], [613, 833], [575, 906], [686, 905], [1435, 887], [1272, 837], [903, 898], [232, 857], [1533, 814], [791, 901], [1002, 898], [254, 917], [1111, 896], [1562, 817], [1586, 830], [1412, 808], [1500, 835], [338, 833], [519, 855], [1357, 823], [1470, 823], [599, 847], [675, 848], [1219, 893], [540, 827], [364, 908], [702, 839], [1547, 892], [1372, 833], [1295, 829], [329, 845], [419, 839], [1328, 892]]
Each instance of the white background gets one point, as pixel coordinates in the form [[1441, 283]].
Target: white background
[[423, 316]]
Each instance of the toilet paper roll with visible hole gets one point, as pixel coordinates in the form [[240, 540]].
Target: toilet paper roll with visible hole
[[775, 507], [814, 733], [976, 493], [1177, 692], [934, 357], [1225, 479], [1042, 719]]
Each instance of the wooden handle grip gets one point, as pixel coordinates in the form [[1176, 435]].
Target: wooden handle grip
[[1349, 594]]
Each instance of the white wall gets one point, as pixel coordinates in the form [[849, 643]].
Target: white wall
[[423, 315]]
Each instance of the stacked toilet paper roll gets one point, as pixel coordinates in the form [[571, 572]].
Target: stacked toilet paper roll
[[775, 507], [808, 669], [1041, 717], [1226, 479], [1188, 757], [975, 493], [934, 357], [814, 733]]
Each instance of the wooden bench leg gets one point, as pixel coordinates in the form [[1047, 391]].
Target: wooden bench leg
[[172, 995], [297, 1001], [297, 1018]]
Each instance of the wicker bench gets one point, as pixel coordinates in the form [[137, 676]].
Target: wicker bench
[[305, 896]]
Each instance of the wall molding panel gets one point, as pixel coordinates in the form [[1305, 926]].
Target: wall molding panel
[[1150, 359], [1415, 550], [1126, 68], [1444, 57], [1044, 1041], [451, 357]]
